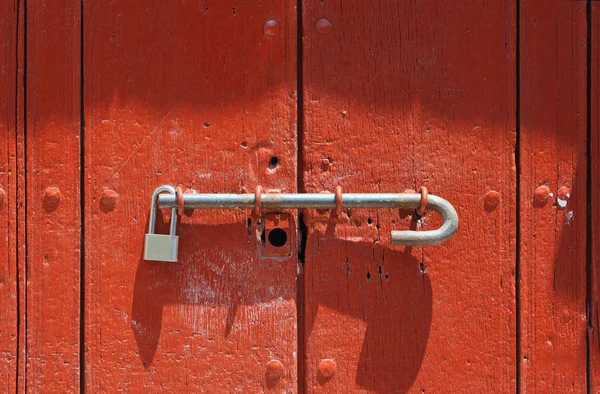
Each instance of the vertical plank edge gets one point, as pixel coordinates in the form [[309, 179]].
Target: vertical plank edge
[[594, 194], [9, 121]]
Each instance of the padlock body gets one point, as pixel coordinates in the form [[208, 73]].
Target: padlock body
[[161, 247]]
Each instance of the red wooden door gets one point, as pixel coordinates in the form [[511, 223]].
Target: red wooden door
[[490, 104]]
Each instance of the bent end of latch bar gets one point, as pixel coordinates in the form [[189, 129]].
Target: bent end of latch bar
[[430, 237]]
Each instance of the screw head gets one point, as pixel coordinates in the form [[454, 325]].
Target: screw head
[[327, 368], [271, 27], [323, 25], [541, 194]]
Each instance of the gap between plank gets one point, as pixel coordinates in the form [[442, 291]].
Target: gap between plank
[[301, 231], [518, 192], [588, 245], [82, 213], [17, 181]]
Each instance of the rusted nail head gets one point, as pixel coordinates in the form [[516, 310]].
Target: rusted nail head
[[325, 162], [327, 368]]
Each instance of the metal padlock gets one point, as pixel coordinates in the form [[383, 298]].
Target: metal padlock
[[161, 247]]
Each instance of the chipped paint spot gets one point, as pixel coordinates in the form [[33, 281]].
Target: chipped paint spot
[[569, 217], [561, 203]]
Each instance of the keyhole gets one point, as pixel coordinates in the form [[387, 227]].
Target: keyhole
[[273, 163], [277, 237]]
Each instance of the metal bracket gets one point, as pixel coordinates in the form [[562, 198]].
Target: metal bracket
[[277, 202], [277, 234]]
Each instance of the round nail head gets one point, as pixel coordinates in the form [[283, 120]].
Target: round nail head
[[52, 195], [327, 368], [271, 27], [109, 198], [274, 370], [323, 25], [542, 193], [564, 193], [492, 199]]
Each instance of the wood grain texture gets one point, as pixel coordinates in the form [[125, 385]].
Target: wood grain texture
[[201, 95], [594, 315], [399, 95], [9, 124], [553, 154], [53, 195]]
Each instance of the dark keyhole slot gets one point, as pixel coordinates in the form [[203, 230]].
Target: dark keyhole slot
[[273, 163], [277, 237]]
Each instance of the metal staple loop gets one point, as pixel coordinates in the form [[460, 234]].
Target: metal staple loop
[[180, 202], [258, 200], [338, 200], [424, 199], [276, 201]]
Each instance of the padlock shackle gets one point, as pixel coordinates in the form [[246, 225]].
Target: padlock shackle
[[154, 207]]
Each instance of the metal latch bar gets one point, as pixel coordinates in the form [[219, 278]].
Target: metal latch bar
[[272, 201]]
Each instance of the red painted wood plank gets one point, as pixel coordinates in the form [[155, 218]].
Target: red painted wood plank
[[20, 205], [9, 124], [399, 95], [203, 95], [553, 155], [594, 315], [53, 204]]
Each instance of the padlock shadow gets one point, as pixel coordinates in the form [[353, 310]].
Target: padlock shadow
[[218, 267]]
